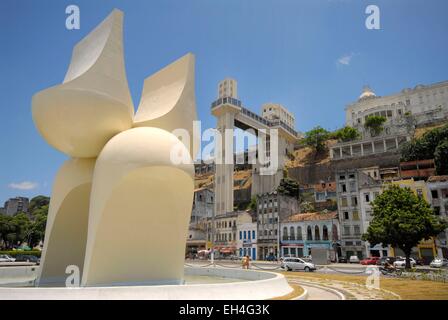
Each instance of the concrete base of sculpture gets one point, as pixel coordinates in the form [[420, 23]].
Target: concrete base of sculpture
[[257, 285]]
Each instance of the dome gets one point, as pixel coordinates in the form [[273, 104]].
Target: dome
[[366, 93]]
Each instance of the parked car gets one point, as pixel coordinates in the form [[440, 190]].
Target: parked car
[[371, 260], [382, 261], [6, 258], [27, 258], [297, 264], [439, 263], [353, 259], [342, 259], [401, 262]]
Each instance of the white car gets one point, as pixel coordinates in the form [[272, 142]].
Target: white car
[[401, 262], [297, 264], [439, 263], [353, 259], [6, 258]]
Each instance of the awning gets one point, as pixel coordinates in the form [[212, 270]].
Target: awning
[[227, 250]]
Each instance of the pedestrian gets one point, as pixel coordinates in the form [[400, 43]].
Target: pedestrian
[[245, 262]]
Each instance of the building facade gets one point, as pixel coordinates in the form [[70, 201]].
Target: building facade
[[347, 186], [426, 103], [247, 235], [223, 235], [271, 209], [368, 191], [275, 111], [203, 205], [438, 193], [16, 205], [303, 232], [426, 249]]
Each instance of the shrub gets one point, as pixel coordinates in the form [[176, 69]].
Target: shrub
[[14, 253], [375, 124]]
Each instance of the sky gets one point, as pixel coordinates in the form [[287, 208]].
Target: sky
[[312, 56]]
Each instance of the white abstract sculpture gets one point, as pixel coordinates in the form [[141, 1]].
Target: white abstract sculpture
[[119, 208]]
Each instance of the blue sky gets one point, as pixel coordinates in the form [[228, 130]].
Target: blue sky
[[312, 56]]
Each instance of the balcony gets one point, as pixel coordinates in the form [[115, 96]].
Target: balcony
[[417, 169]]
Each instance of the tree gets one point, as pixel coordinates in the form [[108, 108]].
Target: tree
[[6, 228], [306, 207], [288, 187], [402, 219], [38, 202], [253, 204], [441, 157], [375, 124], [316, 138], [346, 134], [426, 147]]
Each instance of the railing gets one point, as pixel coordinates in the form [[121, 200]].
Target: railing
[[228, 100], [253, 115]]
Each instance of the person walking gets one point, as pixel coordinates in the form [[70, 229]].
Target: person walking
[[245, 262]]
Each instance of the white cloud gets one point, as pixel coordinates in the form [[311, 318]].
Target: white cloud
[[24, 185], [345, 59]]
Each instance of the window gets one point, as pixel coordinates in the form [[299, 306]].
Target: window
[[248, 235], [347, 230], [344, 188], [241, 235], [351, 176], [343, 201], [357, 230], [367, 197], [420, 193], [245, 235], [309, 233], [325, 233], [434, 194], [285, 233], [355, 215], [299, 233], [437, 211], [316, 233], [253, 234], [292, 233], [346, 216], [341, 177], [354, 201]]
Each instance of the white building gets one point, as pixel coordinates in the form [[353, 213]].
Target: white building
[[438, 191], [228, 88], [247, 236], [303, 232], [275, 111], [368, 191], [424, 102]]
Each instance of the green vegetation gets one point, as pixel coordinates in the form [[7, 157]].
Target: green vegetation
[[252, 204], [29, 228], [288, 187], [375, 124], [307, 207], [14, 253], [346, 134], [402, 219], [432, 145], [441, 157], [316, 138]]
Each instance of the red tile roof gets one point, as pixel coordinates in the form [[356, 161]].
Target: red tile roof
[[312, 216]]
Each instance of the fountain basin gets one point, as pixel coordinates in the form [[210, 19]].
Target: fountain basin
[[210, 283]]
